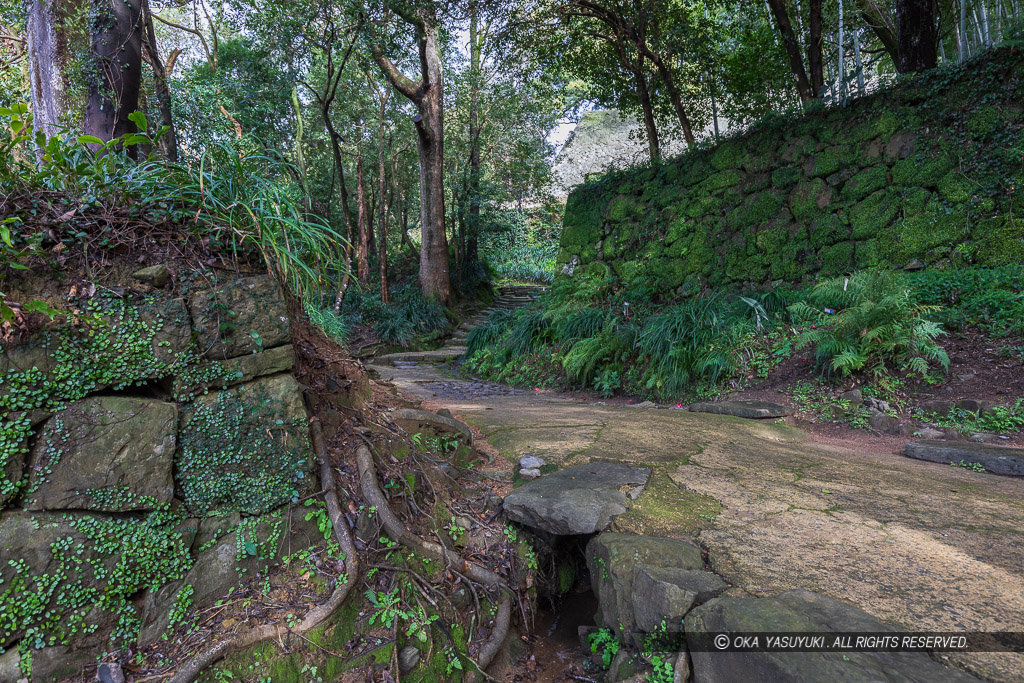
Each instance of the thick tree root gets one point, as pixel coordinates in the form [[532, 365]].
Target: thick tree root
[[437, 552], [316, 616]]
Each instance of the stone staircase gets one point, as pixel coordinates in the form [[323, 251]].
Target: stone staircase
[[510, 297]]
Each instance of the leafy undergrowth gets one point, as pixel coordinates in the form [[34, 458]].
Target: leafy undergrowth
[[884, 331]]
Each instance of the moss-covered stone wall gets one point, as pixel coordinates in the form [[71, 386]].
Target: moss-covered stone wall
[[931, 171]]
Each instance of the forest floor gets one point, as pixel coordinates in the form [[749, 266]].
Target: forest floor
[[920, 545]]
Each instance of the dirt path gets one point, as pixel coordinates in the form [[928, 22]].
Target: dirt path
[[924, 546]]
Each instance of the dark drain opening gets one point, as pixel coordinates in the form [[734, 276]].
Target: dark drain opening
[[566, 604]]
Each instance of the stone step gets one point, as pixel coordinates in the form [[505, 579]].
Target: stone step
[[753, 410]]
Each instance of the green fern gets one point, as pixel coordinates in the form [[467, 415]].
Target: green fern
[[877, 326]]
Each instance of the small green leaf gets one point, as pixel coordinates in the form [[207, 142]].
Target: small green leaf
[[89, 140]]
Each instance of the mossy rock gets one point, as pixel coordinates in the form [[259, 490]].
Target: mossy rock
[[240, 317], [873, 214], [921, 171], [805, 197], [921, 232], [867, 181], [984, 122], [828, 230], [785, 177], [955, 188], [837, 259], [624, 208], [677, 229], [868, 254], [729, 155], [829, 161], [722, 180], [1000, 241]]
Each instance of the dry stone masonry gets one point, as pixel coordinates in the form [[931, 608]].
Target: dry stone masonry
[[149, 451]]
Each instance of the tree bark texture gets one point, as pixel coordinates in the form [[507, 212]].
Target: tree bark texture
[[117, 32], [169, 140], [51, 45], [789, 41], [915, 20], [364, 238]]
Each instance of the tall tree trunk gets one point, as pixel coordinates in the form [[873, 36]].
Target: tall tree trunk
[[915, 20], [169, 140], [814, 48], [881, 23], [653, 144], [472, 227], [363, 256], [117, 58], [796, 62], [677, 101], [51, 46], [428, 96], [382, 238]]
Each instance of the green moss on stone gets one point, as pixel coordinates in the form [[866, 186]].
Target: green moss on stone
[[785, 177], [837, 259], [920, 172], [955, 188], [867, 181], [803, 200], [873, 214]]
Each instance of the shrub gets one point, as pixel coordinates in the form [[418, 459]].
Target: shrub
[[694, 340], [877, 326]]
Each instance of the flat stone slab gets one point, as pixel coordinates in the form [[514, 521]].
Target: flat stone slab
[[437, 356], [582, 499], [752, 410], [800, 612], [413, 420], [1008, 461]]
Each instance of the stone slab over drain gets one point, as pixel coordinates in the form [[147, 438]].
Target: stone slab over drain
[[582, 499]]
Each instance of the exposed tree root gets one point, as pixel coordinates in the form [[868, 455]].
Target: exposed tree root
[[437, 552], [316, 616]]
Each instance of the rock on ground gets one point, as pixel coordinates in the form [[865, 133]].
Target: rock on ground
[[1008, 461], [582, 499], [413, 421], [753, 410], [800, 611]]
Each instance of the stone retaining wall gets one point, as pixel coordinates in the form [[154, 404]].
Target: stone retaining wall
[[150, 447]]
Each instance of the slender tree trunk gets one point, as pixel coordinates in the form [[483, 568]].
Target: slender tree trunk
[[677, 101], [653, 144], [382, 238], [796, 63], [300, 156], [859, 61], [473, 221], [917, 36], [363, 255], [961, 35], [428, 96], [814, 48], [169, 140], [117, 58], [51, 49], [841, 70]]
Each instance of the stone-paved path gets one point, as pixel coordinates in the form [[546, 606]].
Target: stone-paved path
[[924, 546]]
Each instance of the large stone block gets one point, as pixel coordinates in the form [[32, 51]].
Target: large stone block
[[112, 453], [245, 449], [240, 317], [252, 546], [800, 612], [612, 559]]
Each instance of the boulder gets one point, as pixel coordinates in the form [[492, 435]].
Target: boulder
[[995, 459], [111, 453], [582, 499], [886, 424], [245, 449], [530, 473], [663, 595], [154, 276], [753, 410], [408, 658], [415, 421], [613, 559], [806, 613], [240, 317]]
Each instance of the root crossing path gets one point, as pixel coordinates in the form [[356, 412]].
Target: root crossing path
[[923, 546]]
